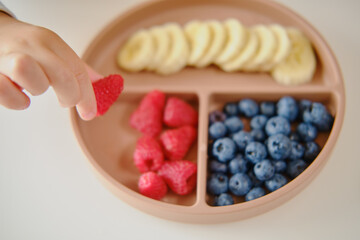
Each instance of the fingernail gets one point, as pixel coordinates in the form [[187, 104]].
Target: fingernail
[[87, 115]]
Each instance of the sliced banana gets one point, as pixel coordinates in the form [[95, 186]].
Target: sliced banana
[[245, 55], [300, 65], [217, 41], [137, 52], [265, 51], [282, 49], [199, 37], [178, 54], [161, 40], [235, 41]]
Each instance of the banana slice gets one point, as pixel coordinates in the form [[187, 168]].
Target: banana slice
[[235, 41], [198, 34], [178, 53], [137, 52], [217, 41], [300, 65], [161, 46], [245, 55], [282, 49], [265, 51]]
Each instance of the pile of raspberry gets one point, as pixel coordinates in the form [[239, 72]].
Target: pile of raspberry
[[169, 128]]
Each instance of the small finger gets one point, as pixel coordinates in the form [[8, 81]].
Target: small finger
[[25, 72], [11, 96]]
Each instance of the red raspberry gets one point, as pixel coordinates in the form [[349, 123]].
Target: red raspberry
[[152, 185], [179, 175], [177, 142], [178, 113], [107, 90], [147, 118], [148, 155]]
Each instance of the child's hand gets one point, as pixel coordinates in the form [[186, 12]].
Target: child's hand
[[34, 58]]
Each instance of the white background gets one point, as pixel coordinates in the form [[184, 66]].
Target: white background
[[48, 191]]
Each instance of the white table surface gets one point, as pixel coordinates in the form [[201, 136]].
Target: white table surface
[[48, 191]]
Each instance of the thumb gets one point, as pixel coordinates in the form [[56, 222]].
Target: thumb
[[93, 75]]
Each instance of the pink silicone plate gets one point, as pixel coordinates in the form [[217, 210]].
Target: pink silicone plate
[[109, 141]]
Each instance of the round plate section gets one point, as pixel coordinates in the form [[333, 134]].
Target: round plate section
[[109, 141]]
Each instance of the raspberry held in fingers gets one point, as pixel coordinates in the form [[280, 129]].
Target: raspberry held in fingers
[[107, 90]]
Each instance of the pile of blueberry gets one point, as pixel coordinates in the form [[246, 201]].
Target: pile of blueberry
[[251, 161]]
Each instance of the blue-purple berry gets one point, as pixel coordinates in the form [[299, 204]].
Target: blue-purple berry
[[295, 167], [287, 107], [217, 183], [279, 146], [242, 139], [224, 149], [276, 182], [258, 135], [240, 184], [231, 109], [297, 150], [223, 199], [254, 193], [307, 132], [264, 170], [234, 124], [268, 108], [312, 149], [217, 167], [216, 116], [258, 122], [238, 165], [217, 130], [276, 125], [255, 152], [280, 166], [248, 107]]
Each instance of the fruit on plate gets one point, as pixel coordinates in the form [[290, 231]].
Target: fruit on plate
[[244, 166], [137, 52], [300, 65], [161, 159], [284, 52]]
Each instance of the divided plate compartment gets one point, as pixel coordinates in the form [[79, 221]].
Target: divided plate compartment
[[109, 141]]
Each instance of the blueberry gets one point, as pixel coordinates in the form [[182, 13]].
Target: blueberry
[[248, 107], [224, 149], [256, 182], [217, 167], [279, 146], [297, 150], [216, 116], [238, 165], [264, 170], [258, 122], [223, 199], [234, 124], [254, 193], [231, 109], [295, 167], [280, 166], [294, 136], [217, 130], [312, 149], [217, 183], [304, 104], [267, 108], [287, 107], [242, 139], [240, 184], [277, 125], [307, 131], [276, 182], [258, 135], [318, 115], [255, 152]]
